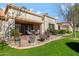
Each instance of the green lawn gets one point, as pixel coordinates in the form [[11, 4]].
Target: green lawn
[[54, 48], [77, 34]]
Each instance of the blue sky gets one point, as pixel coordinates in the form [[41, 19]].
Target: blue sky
[[50, 8]]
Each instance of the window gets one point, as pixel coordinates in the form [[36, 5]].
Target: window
[[58, 27], [51, 26]]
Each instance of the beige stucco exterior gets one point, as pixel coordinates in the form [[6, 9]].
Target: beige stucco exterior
[[12, 15], [64, 26], [40, 22]]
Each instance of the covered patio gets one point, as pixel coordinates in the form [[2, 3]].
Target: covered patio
[[26, 26], [29, 31]]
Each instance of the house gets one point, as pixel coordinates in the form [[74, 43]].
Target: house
[[25, 20], [64, 26]]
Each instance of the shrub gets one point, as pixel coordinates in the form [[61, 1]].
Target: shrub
[[14, 32], [47, 33], [53, 32], [68, 32], [32, 38], [42, 37], [41, 40], [61, 31]]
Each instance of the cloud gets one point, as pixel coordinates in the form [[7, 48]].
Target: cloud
[[56, 17], [63, 7], [38, 12], [1, 7], [72, 4], [31, 9]]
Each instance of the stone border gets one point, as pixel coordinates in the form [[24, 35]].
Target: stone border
[[40, 44]]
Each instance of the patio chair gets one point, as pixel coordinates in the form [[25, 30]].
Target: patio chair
[[37, 32], [28, 32]]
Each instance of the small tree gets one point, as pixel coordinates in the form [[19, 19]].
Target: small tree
[[71, 15], [16, 34]]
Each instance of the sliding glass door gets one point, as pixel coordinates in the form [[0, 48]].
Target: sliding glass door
[[23, 28]]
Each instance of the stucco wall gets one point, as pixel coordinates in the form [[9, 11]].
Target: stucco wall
[[29, 17], [24, 16], [65, 26], [50, 21]]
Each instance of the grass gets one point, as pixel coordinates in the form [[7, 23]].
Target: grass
[[54, 48], [77, 34]]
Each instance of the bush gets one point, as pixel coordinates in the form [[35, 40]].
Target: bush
[[47, 33], [61, 31], [32, 38], [42, 37], [14, 32], [53, 32], [41, 40], [68, 32]]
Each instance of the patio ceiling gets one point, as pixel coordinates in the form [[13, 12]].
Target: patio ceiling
[[21, 20]]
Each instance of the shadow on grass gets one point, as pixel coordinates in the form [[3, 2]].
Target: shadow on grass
[[74, 46]]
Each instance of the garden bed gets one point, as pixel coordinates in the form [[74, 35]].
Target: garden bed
[[26, 45]]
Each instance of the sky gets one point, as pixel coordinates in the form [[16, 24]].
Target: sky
[[40, 8]]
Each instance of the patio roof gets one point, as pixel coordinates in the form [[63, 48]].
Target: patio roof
[[25, 21]]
